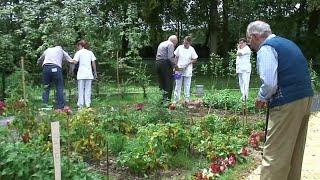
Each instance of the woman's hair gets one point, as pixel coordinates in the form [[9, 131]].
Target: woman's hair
[[84, 44], [188, 39], [243, 40]]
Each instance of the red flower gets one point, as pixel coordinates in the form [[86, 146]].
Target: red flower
[[2, 107], [215, 168], [172, 106], [67, 110], [245, 151], [139, 107]]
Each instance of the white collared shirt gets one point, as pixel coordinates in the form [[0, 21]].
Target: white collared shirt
[[267, 64]]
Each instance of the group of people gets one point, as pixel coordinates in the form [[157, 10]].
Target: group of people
[[285, 90], [52, 59], [175, 64]]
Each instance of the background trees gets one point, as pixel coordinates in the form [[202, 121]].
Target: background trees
[[28, 27]]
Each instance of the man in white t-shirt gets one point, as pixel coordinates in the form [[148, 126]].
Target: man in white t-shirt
[[51, 61], [186, 56], [243, 67], [86, 73]]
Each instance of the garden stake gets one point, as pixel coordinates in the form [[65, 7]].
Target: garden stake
[[107, 160], [24, 89], [245, 108]]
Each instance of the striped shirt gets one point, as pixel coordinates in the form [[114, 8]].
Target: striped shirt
[[267, 64]]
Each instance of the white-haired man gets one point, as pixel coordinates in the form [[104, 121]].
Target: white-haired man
[[165, 62], [286, 88]]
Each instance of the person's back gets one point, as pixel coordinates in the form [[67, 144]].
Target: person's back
[[162, 51], [85, 58], [54, 55]]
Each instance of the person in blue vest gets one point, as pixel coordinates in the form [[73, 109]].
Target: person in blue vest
[[286, 89]]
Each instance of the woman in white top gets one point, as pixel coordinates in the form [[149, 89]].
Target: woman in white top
[[186, 56], [86, 72], [243, 67]]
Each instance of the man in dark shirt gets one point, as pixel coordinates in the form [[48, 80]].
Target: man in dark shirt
[[165, 62]]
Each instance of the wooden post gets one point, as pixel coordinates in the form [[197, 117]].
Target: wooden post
[[3, 85], [107, 160], [118, 80], [23, 81], [55, 134]]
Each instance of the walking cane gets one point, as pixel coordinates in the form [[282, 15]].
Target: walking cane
[[267, 121]]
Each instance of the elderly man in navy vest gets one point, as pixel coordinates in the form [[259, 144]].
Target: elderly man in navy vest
[[286, 88]]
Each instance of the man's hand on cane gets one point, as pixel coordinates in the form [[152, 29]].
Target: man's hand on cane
[[260, 104]]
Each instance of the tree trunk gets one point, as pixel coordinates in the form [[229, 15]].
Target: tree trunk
[[225, 28], [213, 27]]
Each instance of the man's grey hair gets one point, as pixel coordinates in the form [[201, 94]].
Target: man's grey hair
[[259, 28], [173, 37]]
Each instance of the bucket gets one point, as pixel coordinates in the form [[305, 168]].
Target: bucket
[[199, 90]]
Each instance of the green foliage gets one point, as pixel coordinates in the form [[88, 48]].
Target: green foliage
[[215, 136], [22, 161], [152, 148], [229, 100], [86, 135]]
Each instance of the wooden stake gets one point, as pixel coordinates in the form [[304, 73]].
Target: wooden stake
[[118, 80], [55, 134], [23, 81]]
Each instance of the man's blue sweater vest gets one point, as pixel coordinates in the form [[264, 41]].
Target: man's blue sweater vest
[[294, 80]]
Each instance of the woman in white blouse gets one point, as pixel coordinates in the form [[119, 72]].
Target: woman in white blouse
[[86, 72], [243, 67]]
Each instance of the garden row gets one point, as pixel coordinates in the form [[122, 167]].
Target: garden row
[[143, 138]]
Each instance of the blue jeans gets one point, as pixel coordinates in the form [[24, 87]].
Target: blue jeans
[[52, 74]]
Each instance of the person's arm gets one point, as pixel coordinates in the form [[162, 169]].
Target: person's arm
[[94, 67], [66, 57], [76, 58], [267, 67], [171, 54], [194, 56], [41, 59]]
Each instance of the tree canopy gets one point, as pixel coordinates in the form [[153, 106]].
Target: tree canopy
[[28, 27]]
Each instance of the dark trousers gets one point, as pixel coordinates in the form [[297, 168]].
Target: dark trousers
[[52, 74], [164, 71]]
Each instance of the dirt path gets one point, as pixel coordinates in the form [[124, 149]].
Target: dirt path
[[311, 159]]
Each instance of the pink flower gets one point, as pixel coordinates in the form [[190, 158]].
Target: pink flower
[[223, 168], [232, 159], [67, 110]]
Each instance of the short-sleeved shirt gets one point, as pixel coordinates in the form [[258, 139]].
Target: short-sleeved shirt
[[184, 58], [54, 55], [85, 58]]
